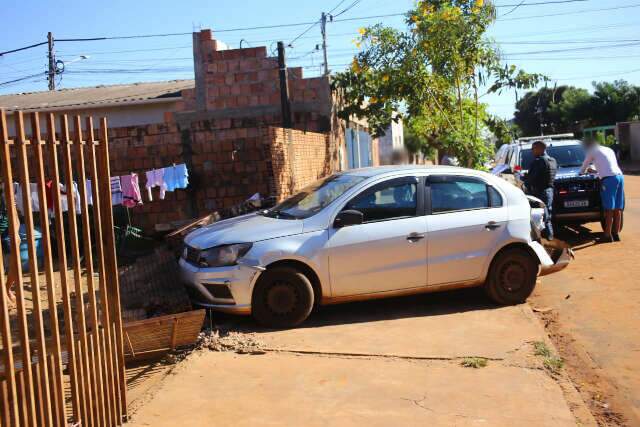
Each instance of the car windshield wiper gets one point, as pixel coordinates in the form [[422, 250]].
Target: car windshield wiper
[[275, 213]]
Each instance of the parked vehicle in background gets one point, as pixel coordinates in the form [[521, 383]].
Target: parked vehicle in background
[[370, 233], [576, 197]]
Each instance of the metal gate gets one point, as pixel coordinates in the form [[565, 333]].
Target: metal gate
[[61, 352]]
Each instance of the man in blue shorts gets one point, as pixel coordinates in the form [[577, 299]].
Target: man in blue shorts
[[612, 190]]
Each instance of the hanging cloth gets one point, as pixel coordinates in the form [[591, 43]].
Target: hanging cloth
[[155, 178], [130, 190], [176, 177], [116, 191]]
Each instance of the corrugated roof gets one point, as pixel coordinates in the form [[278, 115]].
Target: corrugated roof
[[94, 96]]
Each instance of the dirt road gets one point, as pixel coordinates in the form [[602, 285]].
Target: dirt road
[[595, 321]]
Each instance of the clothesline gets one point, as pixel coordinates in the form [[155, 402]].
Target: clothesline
[[125, 189]]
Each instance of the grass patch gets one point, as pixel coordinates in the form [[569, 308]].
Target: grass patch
[[553, 364], [550, 361], [474, 362]]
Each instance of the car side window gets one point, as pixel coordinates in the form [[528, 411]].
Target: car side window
[[458, 193], [392, 199]]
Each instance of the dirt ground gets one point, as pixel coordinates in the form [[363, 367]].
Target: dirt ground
[[446, 359], [595, 316]]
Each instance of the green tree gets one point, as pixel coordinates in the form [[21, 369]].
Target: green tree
[[432, 72], [504, 131], [536, 112], [614, 102]]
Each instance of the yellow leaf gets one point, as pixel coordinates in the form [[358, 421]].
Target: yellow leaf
[[362, 31], [385, 78], [479, 3], [373, 100]]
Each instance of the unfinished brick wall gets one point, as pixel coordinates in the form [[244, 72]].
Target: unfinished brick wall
[[298, 159], [229, 160], [245, 82]]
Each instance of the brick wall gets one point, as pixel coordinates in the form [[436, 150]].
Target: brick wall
[[298, 159], [229, 160]]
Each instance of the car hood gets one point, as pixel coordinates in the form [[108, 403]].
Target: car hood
[[246, 228], [569, 172]]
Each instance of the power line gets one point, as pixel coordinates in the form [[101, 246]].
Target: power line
[[21, 79], [575, 12], [613, 46], [346, 9]]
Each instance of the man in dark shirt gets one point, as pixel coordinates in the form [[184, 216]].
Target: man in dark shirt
[[539, 181]]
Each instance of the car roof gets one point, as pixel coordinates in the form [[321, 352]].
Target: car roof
[[553, 143], [392, 170]]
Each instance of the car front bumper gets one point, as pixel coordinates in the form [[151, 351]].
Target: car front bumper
[[225, 289]]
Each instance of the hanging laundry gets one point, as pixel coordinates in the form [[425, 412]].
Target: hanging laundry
[[89, 192], [155, 178], [64, 199], [130, 190], [116, 191], [33, 193], [176, 177]]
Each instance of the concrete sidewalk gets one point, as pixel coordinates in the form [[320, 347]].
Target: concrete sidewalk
[[381, 363]]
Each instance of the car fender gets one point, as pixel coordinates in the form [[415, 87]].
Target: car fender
[[306, 248], [540, 252]]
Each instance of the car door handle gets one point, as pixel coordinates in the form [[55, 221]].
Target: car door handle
[[491, 225], [414, 237]]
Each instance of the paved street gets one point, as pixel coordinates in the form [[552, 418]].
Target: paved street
[[596, 313], [394, 362]]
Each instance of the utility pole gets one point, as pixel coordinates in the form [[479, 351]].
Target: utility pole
[[285, 101], [51, 74], [323, 29]]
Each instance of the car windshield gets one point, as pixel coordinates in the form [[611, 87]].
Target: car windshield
[[567, 156], [313, 198]]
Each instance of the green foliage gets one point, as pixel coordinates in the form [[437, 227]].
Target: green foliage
[[502, 130], [567, 109], [432, 72]]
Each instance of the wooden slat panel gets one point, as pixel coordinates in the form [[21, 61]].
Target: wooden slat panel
[[48, 269], [96, 368], [113, 287], [25, 182], [75, 381], [72, 232], [109, 374], [29, 409], [11, 407]]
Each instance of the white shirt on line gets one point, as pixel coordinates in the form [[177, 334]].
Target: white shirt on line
[[604, 159]]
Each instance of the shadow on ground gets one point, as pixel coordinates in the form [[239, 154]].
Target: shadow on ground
[[423, 305]]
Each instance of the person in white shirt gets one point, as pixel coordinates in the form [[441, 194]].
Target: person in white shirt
[[612, 181]]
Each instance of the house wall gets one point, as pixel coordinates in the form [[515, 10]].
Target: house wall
[[120, 115]]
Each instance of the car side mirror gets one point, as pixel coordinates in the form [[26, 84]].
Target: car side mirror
[[347, 218]]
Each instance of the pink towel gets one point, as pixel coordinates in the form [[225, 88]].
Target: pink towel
[[130, 190]]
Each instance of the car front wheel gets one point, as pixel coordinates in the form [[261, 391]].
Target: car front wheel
[[512, 277], [282, 298]]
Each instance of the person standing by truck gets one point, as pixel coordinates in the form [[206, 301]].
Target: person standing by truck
[[539, 182], [612, 182]]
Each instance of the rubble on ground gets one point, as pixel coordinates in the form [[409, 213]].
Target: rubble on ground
[[225, 340]]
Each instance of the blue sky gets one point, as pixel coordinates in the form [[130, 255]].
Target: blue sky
[[578, 45]]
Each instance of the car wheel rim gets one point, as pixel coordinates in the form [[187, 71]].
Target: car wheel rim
[[513, 276], [282, 298]]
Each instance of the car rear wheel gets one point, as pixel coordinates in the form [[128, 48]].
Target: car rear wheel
[[512, 277], [282, 298]]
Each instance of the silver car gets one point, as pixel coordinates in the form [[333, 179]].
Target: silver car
[[370, 233]]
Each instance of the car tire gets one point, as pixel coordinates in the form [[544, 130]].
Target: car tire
[[282, 298], [621, 221], [512, 277]]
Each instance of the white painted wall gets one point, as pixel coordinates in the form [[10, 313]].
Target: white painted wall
[[393, 140]]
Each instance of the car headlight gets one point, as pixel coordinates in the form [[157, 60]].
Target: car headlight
[[222, 256]]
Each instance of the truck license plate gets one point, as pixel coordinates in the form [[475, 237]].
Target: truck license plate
[[576, 203]]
